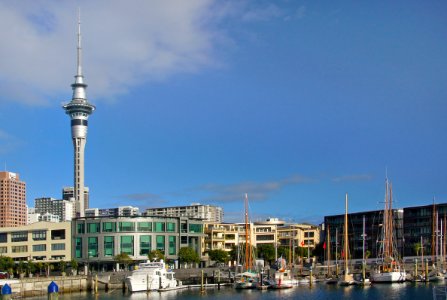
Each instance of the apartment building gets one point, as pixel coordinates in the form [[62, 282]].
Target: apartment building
[[208, 213], [13, 211]]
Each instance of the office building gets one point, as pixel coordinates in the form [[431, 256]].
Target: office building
[[62, 208]]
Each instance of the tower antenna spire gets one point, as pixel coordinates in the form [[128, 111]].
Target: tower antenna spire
[[79, 48]]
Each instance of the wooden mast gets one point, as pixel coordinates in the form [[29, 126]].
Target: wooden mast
[[328, 249]]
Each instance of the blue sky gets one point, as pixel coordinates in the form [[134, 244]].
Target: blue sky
[[292, 102]]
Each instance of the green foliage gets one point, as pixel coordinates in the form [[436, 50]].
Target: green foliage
[[218, 255], [283, 251], [74, 264], [123, 258], [188, 255], [31, 267], [62, 265], [6, 263], [266, 252], [156, 255]]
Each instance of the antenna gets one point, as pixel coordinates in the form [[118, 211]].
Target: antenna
[[79, 48]]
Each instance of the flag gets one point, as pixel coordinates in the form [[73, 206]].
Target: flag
[[302, 243], [324, 245]]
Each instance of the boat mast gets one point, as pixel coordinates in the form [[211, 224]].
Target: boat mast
[[328, 249], [247, 237], [346, 235]]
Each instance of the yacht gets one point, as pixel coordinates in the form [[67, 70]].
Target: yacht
[[151, 276]]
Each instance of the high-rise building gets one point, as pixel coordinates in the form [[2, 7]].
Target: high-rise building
[[13, 211], [62, 208], [79, 109], [68, 194]]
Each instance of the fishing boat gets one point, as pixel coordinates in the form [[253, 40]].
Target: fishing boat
[[248, 279], [151, 276], [346, 278], [388, 266]]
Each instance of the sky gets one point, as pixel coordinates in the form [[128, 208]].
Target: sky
[[293, 102]]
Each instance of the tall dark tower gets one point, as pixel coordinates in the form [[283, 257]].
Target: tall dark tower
[[79, 109]]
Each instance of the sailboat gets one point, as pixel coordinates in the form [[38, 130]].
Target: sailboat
[[435, 274], [347, 278], [248, 279], [388, 268]]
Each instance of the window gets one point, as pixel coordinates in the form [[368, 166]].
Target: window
[[78, 248], [109, 227], [20, 236], [145, 226], [3, 250], [39, 235], [41, 247], [59, 246], [18, 249], [3, 237], [109, 245], [127, 226], [58, 234], [92, 227], [160, 243], [170, 227], [159, 227], [184, 228], [145, 244], [92, 247], [184, 240], [81, 228], [172, 248], [127, 244], [195, 228]]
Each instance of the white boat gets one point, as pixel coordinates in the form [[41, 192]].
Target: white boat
[[388, 268], [151, 276], [246, 280], [282, 278]]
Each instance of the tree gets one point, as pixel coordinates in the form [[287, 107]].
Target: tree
[[123, 258], [6, 262], [156, 255], [219, 255], [62, 265], [266, 252], [74, 266], [188, 255]]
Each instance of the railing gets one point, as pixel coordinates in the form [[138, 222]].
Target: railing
[[439, 292]]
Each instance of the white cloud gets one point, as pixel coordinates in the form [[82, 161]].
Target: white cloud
[[125, 43]]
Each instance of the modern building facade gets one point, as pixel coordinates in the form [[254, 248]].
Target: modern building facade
[[13, 210], [40, 241], [79, 109], [97, 240], [208, 213], [62, 208], [373, 230]]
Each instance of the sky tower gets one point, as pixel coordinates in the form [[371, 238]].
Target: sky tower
[[79, 109]]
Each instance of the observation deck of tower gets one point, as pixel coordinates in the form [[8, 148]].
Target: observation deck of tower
[[79, 109]]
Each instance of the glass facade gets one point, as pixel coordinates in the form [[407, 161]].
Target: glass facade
[[78, 247], [159, 226], [170, 227], [109, 227], [92, 227], [127, 226], [145, 244], [80, 228], [160, 240], [172, 246], [93, 247], [195, 228], [127, 244], [145, 226], [109, 245]]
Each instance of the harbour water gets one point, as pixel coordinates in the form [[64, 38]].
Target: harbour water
[[318, 291]]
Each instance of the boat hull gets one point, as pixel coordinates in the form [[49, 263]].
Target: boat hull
[[395, 276]]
